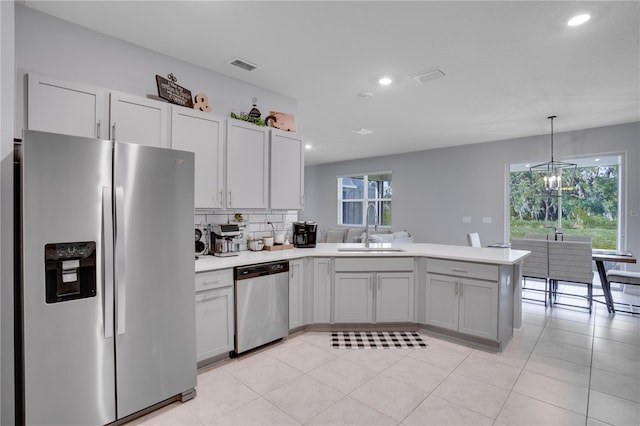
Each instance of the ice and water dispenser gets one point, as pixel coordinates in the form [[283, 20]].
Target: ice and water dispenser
[[70, 271]]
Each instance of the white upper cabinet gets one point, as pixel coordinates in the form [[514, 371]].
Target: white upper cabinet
[[287, 171], [139, 120], [202, 133], [247, 168], [62, 107]]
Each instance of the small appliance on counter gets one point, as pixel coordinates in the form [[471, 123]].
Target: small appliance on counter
[[223, 240], [304, 234]]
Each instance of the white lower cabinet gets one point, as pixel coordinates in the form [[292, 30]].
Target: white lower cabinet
[[353, 297], [462, 303], [395, 297], [322, 278], [296, 293], [214, 314], [374, 297]]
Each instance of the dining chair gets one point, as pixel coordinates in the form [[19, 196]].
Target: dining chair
[[571, 262], [536, 236], [473, 239], [626, 278], [536, 265], [581, 238]]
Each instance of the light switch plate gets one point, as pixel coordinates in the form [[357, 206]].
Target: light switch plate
[[466, 219], [487, 219]]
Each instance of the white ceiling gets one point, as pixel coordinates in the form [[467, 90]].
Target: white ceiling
[[508, 64]]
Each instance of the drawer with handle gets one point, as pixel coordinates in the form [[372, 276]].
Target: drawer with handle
[[214, 279], [463, 269]]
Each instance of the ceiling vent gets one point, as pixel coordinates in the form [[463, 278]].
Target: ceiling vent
[[430, 75], [245, 65], [362, 132]]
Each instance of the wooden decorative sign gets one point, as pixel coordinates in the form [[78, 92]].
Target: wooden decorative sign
[[171, 92]]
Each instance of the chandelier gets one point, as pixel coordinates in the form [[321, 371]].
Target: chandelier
[[551, 171]]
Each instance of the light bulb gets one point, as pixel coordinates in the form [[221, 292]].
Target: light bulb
[[578, 20]]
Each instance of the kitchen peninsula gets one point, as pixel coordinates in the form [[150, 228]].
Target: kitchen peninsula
[[467, 294]]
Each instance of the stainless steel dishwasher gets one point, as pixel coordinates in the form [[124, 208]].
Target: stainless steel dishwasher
[[262, 304]]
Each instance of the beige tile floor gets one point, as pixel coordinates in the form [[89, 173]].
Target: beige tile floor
[[562, 368]]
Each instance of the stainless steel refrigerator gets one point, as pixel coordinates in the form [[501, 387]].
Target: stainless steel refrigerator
[[105, 308]]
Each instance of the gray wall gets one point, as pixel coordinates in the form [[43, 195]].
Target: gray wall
[[56, 48], [434, 189], [6, 211]]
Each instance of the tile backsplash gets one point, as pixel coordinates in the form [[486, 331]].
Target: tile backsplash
[[255, 224]]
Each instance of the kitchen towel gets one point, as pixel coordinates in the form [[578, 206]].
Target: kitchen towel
[[376, 340]]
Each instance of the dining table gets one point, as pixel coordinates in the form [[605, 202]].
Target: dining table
[[601, 256]]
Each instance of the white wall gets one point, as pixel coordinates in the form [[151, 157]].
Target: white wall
[[56, 48], [434, 189], [7, 84]]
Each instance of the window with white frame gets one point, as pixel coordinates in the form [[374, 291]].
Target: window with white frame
[[588, 205], [356, 192]]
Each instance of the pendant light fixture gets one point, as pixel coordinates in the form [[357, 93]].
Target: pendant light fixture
[[551, 171]]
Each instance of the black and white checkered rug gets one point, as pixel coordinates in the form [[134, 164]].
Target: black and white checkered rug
[[376, 339]]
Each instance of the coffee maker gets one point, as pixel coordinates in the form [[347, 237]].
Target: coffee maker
[[304, 234], [223, 240]]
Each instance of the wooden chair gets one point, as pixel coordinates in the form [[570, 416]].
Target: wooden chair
[[570, 261], [536, 265]]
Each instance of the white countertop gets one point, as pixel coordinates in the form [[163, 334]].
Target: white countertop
[[498, 256]]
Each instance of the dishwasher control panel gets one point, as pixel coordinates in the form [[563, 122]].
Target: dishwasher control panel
[[258, 270]]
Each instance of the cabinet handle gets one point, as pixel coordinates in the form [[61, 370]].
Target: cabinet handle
[[456, 287], [464, 271], [98, 129], [210, 282], [220, 198], [210, 296], [229, 200], [302, 200], [113, 131]]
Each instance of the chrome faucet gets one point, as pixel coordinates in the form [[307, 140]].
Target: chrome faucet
[[366, 221]]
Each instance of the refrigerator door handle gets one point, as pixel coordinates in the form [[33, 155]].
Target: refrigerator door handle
[[121, 294], [107, 229]]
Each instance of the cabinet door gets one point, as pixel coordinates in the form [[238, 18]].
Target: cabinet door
[[203, 134], [287, 171], [322, 290], [214, 322], [479, 308], [296, 294], [353, 301], [247, 165], [442, 301], [139, 120], [394, 297], [62, 107]]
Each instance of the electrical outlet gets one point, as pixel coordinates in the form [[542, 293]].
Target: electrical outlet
[[466, 219]]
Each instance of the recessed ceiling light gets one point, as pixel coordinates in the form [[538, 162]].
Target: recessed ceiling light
[[365, 95], [578, 20], [385, 81], [307, 146], [596, 160], [362, 131]]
